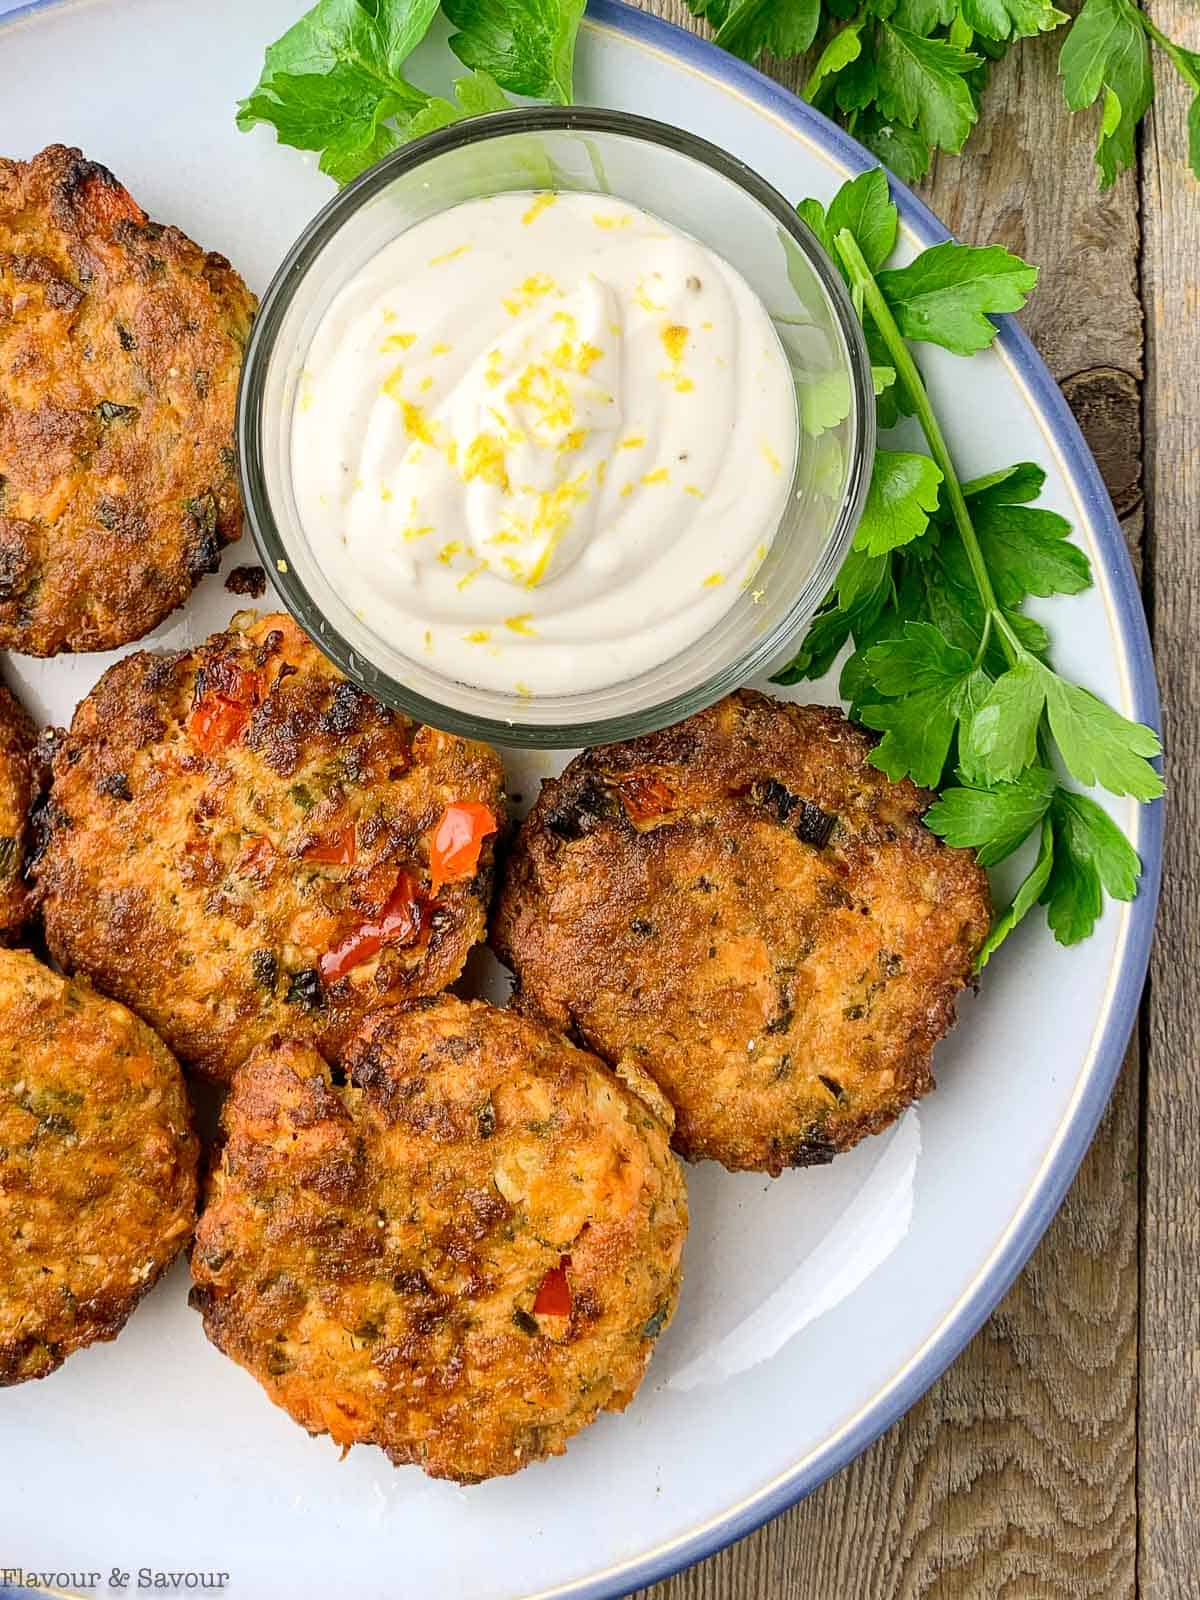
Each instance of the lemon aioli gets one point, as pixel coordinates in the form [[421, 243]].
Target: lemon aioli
[[544, 440]]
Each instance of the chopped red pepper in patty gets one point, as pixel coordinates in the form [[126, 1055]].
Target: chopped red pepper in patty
[[256, 859], [219, 717], [217, 723], [337, 849], [401, 921], [553, 1298], [457, 842], [643, 793]]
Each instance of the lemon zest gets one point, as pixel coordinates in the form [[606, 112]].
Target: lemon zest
[[449, 255], [542, 202], [485, 459]]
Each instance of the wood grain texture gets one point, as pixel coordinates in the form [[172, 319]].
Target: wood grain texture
[[1014, 1477], [1169, 1463]]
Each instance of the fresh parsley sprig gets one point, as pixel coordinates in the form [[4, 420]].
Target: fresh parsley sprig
[[335, 82], [907, 77], [945, 664]]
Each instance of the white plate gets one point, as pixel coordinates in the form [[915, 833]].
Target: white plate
[[816, 1308]]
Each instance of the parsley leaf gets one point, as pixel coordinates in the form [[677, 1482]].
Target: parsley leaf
[[473, 95], [1098, 744], [864, 205], [1107, 51], [330, 82], [902, 493], [907, 77], [995, 820], [1011, 19], [922, 84], [371, 41], [334, 81], [528, 46], [812, 212], [1001, 740], [1090, 851], [903, 150], [1027, 552], [357, 144], [1010, 486], [946, 294], [862, 591], [785, 27], [931, 680], [840, 50], [1024, 900], [823, 400]]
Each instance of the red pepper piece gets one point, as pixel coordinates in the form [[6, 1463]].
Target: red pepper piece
[[256, 859], [643, 793], [457, 842], [216, 723], [401, 921], [220, 716], [553, 1298], [337, 849]]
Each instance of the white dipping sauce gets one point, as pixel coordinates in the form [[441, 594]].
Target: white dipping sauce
[[543, 441]]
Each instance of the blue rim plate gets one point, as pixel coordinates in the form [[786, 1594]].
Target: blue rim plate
[[1079, 1124], [1047, 1195]]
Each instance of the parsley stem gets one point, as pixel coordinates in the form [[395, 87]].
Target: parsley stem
[[862, 280], [1177, 57]]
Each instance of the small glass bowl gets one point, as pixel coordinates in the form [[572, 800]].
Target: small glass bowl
[[696, 188]]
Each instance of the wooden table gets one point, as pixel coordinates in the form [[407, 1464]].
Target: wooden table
[[1060, 1454]]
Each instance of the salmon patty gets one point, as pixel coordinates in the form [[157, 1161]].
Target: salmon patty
[[20, 781], [97, 1166], [238, 842], [750, 912], [120, 348], [460, 1247]]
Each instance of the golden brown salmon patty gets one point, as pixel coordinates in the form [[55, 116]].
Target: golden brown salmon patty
[[238, 842], [20, 780], [752, 913], [97, 1166], [120, 347], [461, 1248]]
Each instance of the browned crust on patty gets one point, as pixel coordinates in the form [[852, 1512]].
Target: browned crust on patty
[[772, 935], [190, 885], [21, 777], [97, 1166], [120, 348], [372, 1252]]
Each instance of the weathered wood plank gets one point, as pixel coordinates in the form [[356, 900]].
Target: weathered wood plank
[[1169, 1458], [1015, 1476]]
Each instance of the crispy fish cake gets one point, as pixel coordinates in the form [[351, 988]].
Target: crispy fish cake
[[120, 347], [238, 842], [20, 771], [97, 1166], [753, 914], [463, 1253]]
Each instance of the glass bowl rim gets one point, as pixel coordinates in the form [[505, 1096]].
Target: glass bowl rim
[[260, 348]]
